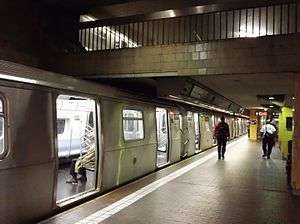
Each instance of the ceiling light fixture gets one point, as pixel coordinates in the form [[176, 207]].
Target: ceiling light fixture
[[271, 98]]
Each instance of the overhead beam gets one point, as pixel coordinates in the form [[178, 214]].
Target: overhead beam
[[152, 9]]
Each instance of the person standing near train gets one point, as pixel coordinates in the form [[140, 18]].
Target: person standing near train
[[221, 133]]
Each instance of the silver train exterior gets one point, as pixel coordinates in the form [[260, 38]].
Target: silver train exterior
[[29, 160]]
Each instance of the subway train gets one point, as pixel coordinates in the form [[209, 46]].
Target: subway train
[[46, 118]]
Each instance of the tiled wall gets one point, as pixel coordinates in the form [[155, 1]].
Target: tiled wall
[[248, 55]]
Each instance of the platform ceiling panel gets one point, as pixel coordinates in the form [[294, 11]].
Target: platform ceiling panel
[[155, 9], [243, 89]]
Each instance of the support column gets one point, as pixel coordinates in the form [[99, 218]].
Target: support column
[[253, 125], [284, 133], [296, 139]]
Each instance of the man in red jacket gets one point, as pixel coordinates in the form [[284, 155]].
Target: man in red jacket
[[221, 134]]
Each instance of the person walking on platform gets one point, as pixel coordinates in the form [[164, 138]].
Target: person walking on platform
[[268, 132], [221, 134]]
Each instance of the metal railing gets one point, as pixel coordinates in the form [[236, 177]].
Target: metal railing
[[251, 22]]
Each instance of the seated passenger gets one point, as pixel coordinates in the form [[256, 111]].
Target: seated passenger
[[81, 164]]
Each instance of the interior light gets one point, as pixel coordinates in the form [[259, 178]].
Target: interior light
[[293, 98], [174, 97], [271, 98], [19, 79], [271, 106]]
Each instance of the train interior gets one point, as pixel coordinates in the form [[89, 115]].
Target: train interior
[[76, 146]]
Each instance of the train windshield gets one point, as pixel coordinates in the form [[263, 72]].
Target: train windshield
[[76, 146]]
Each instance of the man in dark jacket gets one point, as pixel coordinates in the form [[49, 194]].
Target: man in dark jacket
[[221, 134]]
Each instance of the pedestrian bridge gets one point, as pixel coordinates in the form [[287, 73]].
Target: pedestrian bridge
[[243, 41]]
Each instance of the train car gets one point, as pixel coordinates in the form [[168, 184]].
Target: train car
[[55, 127]]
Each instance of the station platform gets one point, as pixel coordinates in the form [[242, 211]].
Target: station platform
[[243, 188]]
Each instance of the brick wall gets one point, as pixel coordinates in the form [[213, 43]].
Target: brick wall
[[249, 55]]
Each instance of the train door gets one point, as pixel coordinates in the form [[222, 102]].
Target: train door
[[162, 131], [76, 147], [236, 128], [213, 124], [190, 134], [241, 126], [183, 137], [197, 132], [175, 136]]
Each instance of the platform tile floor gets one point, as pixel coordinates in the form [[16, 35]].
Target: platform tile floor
[[244, 188]]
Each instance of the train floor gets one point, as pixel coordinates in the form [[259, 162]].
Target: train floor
[[243, 188], [66, 190]]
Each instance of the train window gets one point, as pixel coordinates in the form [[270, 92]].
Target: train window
[[3, 150], [61, 126], [133, 124]]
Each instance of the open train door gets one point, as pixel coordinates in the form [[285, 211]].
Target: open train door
[[76, 147], [162, 131]]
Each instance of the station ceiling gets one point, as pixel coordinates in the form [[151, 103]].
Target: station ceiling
[[244, 89], [155, 9], [82, 6], [109, 9]]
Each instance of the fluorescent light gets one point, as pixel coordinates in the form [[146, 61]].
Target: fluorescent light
[[271, 106], [271, 98], [18, 79]]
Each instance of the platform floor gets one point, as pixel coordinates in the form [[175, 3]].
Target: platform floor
[[244, 188]]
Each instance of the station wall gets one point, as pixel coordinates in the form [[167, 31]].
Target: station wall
[[271, 54]]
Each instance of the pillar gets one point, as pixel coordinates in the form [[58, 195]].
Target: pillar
[[253, 125], [284, 133], [296, 138]]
